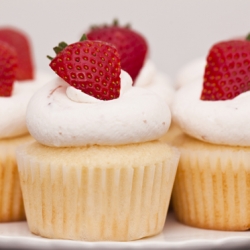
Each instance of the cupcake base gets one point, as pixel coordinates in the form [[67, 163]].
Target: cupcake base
[[212, 186], [99, 192], [11, 202]]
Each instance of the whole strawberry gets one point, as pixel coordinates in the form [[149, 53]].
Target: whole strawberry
[[19, 41], [131, 46], [91, 66], [227, 73], [8, 66]]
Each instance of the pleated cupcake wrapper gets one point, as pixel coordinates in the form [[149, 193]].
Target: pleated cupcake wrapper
[[212, 189], [11, 202], [96, 204]]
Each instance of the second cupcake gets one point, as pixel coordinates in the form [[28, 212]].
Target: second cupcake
[[17, 84]]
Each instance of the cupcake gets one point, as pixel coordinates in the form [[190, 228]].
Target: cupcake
[[211, 189], [96, 171], [17, 84]]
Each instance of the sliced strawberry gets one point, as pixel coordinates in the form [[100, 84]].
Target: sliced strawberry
[[91, 66], [227, 73], [8, 66], [131, 46], [20, 42]]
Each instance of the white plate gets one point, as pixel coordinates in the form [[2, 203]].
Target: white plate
[[174, 236]]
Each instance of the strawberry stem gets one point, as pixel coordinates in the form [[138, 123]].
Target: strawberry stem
[[57, 49], [83, 38], [50, 58], [248, 37], [93, 27], [63, 45], [115, 22]]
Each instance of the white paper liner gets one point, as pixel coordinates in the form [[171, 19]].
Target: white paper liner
[[11, 202], [212, 186], [104, 204]]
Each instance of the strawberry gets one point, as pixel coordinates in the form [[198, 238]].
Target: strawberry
[[227, 73], [92, 66], [131, 46], [20, 42], [8, 66]]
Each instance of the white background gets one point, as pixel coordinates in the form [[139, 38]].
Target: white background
[[177, 30]]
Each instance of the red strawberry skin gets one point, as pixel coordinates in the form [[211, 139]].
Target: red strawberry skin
[[92, 66], [18, 40], [8, 66], [227, 73], [131, 46]]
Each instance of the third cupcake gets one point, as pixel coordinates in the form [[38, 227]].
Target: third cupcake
[[212, 183]]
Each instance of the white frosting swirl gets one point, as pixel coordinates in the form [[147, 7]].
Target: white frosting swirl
[[139, 115], [13, 108], [193, 71], [219, 122], [150, 78]]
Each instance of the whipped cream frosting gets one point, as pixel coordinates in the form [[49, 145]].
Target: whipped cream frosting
[[54, 119], [219, 122], [193, 71], [152, 79], [13, 108]]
